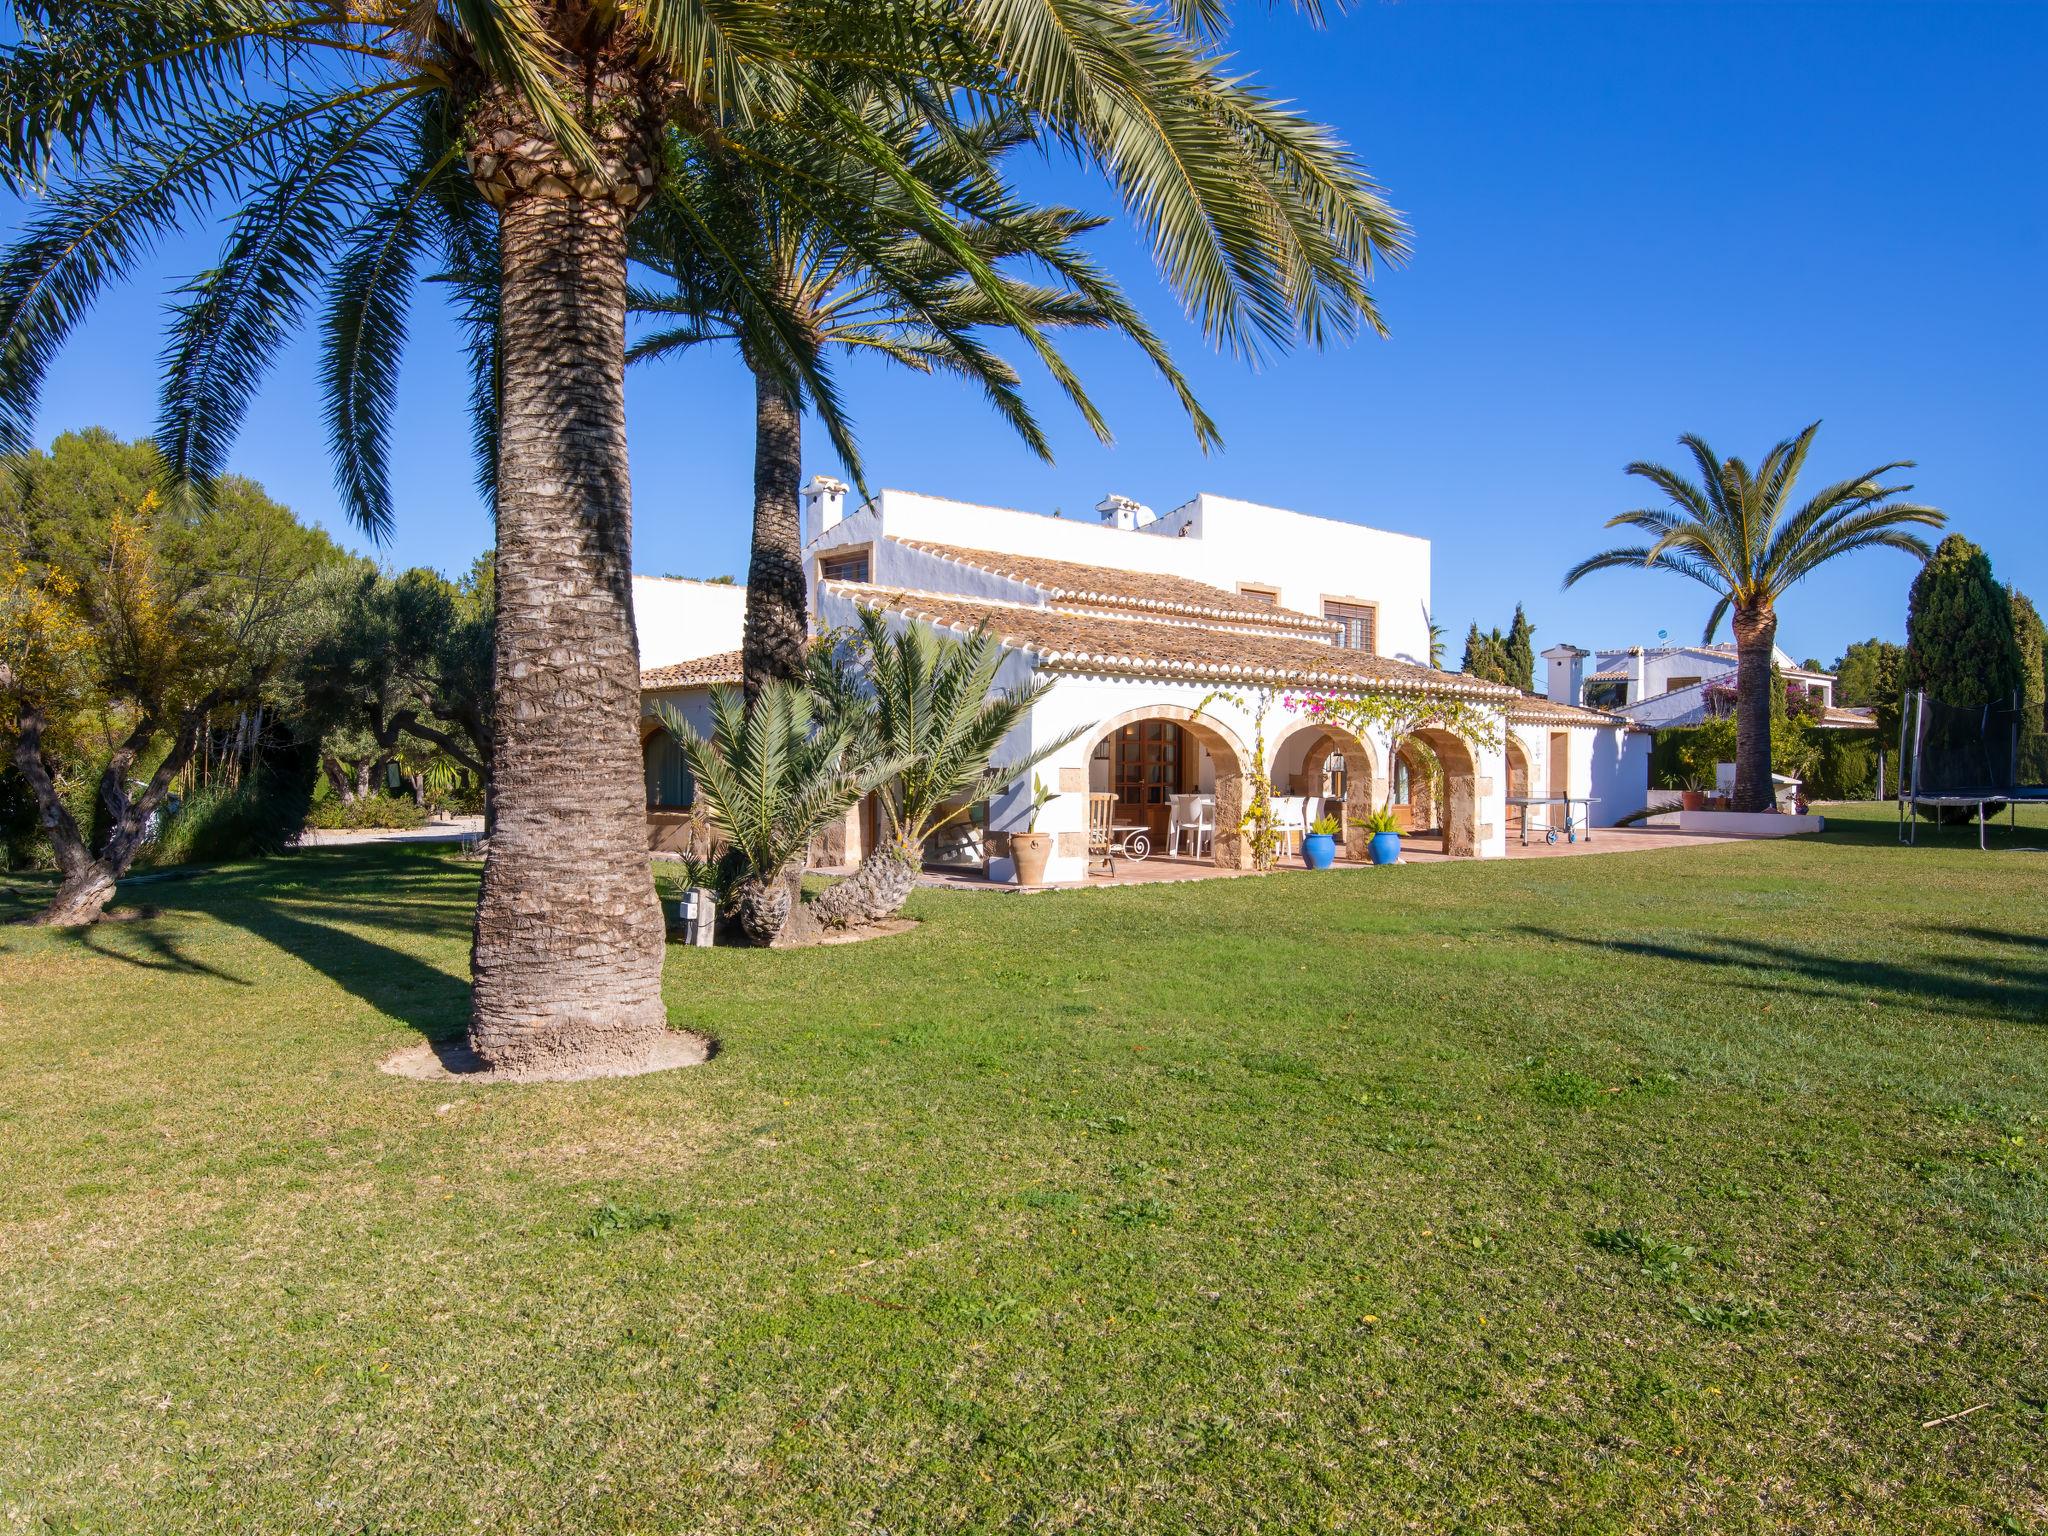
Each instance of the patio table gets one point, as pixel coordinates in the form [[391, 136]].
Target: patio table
[[1572, 828]]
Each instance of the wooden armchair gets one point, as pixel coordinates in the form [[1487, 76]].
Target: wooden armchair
[[1102, 831]]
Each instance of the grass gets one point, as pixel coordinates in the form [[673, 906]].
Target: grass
[[1660, 1192]]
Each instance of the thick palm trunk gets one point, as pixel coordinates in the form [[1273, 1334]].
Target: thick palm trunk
[[776, 629], [873, 893], [1755, 630], [568, 951]]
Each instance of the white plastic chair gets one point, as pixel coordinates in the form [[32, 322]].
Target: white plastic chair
[[1289, 820], [1195, 816]]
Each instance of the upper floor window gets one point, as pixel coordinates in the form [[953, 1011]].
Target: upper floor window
[[1677, 683], [1359, 624], [1270, 596], [847, 567]]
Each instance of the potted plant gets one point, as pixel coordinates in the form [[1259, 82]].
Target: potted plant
[[1692, 793], [1031, 848], [1319, 848], [1386, 836]]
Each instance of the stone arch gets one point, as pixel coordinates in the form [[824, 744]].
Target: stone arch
[[1361, 776], [1232, 762], [1463, 790], [1519, 779]]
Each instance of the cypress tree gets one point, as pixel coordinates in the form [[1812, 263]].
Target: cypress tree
[[2032, 637], [1519, 653], [1475, 652], [1960, 641]]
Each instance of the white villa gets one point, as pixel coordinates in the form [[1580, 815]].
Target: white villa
[[1162, 631], [1663, 686]]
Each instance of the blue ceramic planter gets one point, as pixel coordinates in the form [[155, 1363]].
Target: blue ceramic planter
[[1386, 847], [1319, 850]]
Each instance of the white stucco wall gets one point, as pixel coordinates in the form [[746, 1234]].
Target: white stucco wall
[[1214, 539], [1618, 774], [679, 619]]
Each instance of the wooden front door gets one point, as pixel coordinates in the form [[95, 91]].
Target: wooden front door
[[1147, 770]]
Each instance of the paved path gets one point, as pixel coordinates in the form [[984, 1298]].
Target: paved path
[[452, 829]]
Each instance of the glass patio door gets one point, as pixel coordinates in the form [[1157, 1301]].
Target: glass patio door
[[1150, 755]]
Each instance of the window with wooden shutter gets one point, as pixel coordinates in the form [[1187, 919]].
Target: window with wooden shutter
[[1359, 622], [850, 567]]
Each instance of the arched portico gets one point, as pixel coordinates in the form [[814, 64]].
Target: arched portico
[[1218, 763], [1315, 757], [1463, 791], [1518, 767]]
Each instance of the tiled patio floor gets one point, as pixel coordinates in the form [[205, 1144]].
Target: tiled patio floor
[[1160, 869]]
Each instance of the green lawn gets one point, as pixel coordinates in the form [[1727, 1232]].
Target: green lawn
[[1658, 1192]]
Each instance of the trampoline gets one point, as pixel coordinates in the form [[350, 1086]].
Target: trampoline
[[1982, 757]]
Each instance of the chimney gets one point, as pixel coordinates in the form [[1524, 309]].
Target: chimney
[[824, 505], [1635, 675], [1122, 512], [1567, 674]]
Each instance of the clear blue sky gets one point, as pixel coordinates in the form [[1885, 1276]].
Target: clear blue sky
[[1630, 221]]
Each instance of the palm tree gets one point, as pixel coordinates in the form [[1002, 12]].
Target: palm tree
[[1738, 532], [771, 780], [361, 145], [746, 259], [929, 705]]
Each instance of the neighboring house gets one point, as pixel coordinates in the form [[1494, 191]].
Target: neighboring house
[[1664, 686], [1161, 632]]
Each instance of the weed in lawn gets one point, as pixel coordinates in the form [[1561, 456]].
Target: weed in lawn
[[1280, 1064], [1142, 1212], [1728, 1315], [1566, 1089], [610, 1220], [1654, 1256]]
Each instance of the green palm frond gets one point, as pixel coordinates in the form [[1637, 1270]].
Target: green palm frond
[[1735, 530], [929, 704], [363, 338], [772, 775], [128, 120], [237, 315]]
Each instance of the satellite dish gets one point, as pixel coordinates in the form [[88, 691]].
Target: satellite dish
[[1663, 634]]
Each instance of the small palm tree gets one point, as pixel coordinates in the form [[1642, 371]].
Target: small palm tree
[[747, 257], [1738, 532], [927, 708], [771, 780]]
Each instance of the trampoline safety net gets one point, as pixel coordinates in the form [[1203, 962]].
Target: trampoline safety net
[[1988, 755]]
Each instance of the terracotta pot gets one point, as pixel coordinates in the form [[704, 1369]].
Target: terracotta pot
[[1029, 852], [1692, 799]]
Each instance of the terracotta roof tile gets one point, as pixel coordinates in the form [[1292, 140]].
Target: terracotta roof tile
[[1067, 584], [698, 672], [1535, 709], [1095, 643]]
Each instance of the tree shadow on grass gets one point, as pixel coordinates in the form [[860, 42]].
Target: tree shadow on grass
[[160, 950], [1989, 987], [319, 906]]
